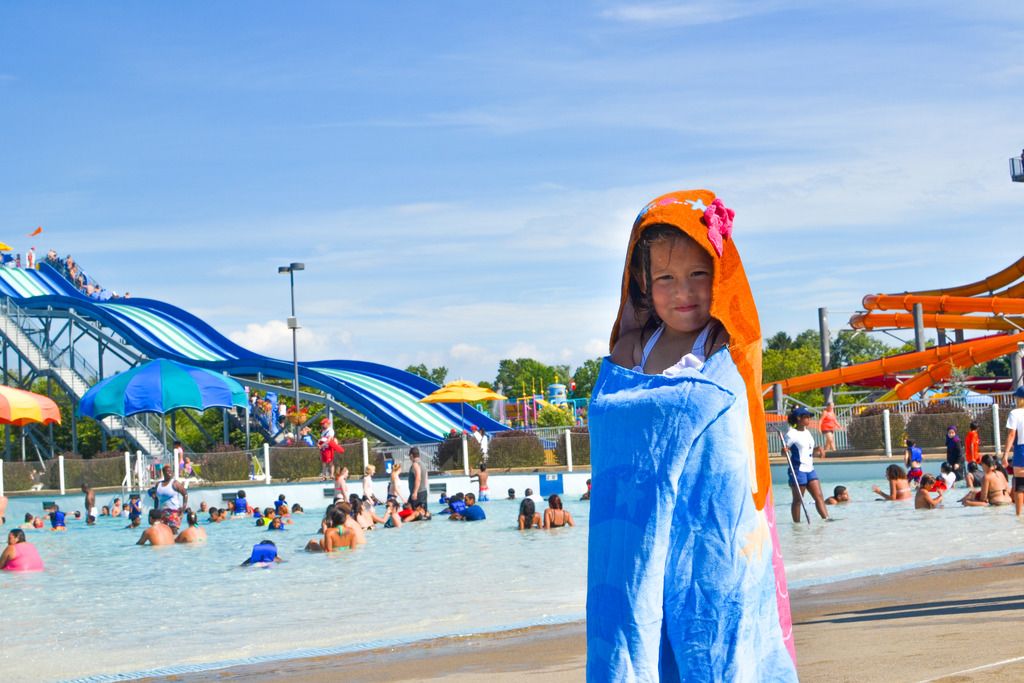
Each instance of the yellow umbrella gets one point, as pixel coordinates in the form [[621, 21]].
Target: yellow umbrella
[[463, 392], [20, 407], [5, 247]]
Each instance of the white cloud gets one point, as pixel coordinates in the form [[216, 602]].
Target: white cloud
[[689, 13], [274, 339]]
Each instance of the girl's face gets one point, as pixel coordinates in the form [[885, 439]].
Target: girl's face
[[681, 284], [951, 433]]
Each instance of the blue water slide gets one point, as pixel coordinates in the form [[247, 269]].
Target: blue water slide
[[385, 396]]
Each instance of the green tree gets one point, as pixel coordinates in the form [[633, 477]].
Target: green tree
[[436, 375], [780, 341], [852, 346], [777, 365], [554, 417], [585, 376]]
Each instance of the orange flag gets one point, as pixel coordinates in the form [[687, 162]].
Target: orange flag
[[36, 231]]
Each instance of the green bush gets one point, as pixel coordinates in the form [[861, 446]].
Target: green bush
[[928, 426], [449, 454], [866, 433], [94, 472], [580, 447], [18, 475], [515, 449], [294, 463], [220, 467]]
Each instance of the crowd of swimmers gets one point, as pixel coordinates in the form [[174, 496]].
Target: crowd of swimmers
[[345, 523], [987, 478]]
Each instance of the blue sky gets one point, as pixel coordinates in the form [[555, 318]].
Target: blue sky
[[460, 178]]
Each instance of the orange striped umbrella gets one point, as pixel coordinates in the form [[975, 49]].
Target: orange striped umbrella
[[19, 407]]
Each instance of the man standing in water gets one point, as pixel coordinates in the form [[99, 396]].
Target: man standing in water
[[171, 499], [158, 533], [90, 501], [418, 487]]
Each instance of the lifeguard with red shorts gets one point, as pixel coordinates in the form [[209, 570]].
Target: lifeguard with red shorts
[[328, 446]]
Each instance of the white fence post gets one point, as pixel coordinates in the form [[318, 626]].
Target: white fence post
[[568, 449], [177, 465], [128, 470], [1, 477], [885, 433], [366, 454], [60, 468], [266, 462], [996, 437], [465, 456], [140, 470]]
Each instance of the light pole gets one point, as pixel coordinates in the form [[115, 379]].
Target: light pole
[[293, 325]]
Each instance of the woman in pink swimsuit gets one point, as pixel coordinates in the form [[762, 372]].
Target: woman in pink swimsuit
[[20, 555]]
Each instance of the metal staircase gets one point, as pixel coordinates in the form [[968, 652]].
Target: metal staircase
[[13, 325]]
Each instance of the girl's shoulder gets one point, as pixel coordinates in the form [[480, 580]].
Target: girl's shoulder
[[625, 354]]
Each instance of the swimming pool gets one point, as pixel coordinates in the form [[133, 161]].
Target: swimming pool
[[105, 606]]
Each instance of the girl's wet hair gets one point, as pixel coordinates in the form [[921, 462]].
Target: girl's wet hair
[[554, 502], [527, 510], [19, 535], [192, 518], [989, 461], [893, 472]]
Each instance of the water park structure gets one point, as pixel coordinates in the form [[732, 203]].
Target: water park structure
[[50, 328], [991, 304]]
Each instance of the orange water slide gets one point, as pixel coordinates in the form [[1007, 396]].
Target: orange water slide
[[905, 321], [942, 370], [944, 304], [1005, 343], [989, 285]]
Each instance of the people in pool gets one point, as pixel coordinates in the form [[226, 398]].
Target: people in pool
[[555, 516], [240, 506], [57, 518], [335, 537], [913, 459], [481, 477], [586, 496], [529, 518], [368, 485], [20, 555], [193, 533], [171, 498], [158, 533], [392, 518], [828, 424], [798, 446], [511, 494], [470, 513], [840, 495], [924, 500], [954, 452], [972, 444], [1013, 452], [995, 490], [263, 554], [899, 487], [947, 478]]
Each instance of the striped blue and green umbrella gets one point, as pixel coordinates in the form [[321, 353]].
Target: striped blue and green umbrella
[[161, 386]]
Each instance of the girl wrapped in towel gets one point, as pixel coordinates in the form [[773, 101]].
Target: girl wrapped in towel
[[685, 577]]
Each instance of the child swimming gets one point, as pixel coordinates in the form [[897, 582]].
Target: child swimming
[[676, 468], [913, 460]]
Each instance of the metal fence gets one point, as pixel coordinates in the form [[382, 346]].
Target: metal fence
[[861, 426]]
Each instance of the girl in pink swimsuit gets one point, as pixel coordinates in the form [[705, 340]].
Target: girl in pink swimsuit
[[20, 555]]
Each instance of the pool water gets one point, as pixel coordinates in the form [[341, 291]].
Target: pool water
[[105, 607]]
